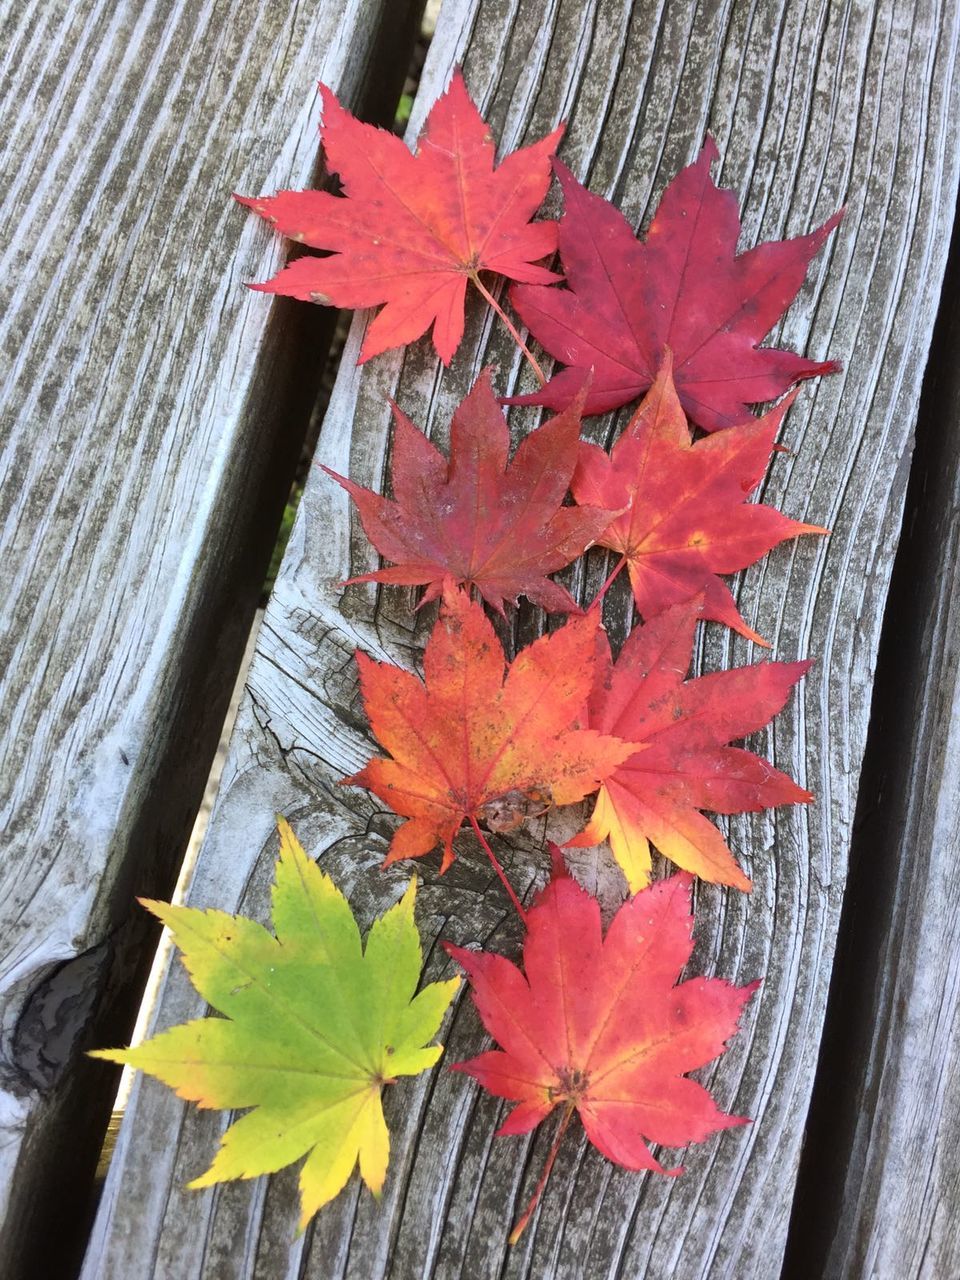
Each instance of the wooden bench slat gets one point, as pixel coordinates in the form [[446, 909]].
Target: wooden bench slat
[[879, 1181], [153, 412], [811, 106]]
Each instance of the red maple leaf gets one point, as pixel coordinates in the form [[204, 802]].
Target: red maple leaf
[[684, 287], [468, 738], [597, 1024], [683, 762], [415, 228], [477, 520], [685, 517]]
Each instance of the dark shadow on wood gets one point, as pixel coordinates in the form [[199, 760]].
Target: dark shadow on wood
[[824, 1223], [51, 1212]]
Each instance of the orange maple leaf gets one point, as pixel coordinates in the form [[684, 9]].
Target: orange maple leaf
[[414, 229], [685, 518], [468, 738], [597, 1025], [683, 763]]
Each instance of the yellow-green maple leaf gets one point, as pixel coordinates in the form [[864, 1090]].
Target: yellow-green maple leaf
[[315, 1024]]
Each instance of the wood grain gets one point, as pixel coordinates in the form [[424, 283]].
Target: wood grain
[[153, 411], [813, 106], [880, 1177]]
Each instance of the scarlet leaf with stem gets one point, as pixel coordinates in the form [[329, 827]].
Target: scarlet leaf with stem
[[685, 287], [685, 518], [596, 1024], [683, 761], [478, 520], [470, 737], [412, 230]]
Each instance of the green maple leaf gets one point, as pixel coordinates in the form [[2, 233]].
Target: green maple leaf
[[314, 1026]]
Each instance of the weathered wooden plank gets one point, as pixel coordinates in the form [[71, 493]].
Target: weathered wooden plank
[[880, 1178], [812, 105], [152, 415]]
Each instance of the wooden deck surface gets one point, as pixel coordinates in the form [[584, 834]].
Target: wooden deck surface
[[811, 108], [152, 370]]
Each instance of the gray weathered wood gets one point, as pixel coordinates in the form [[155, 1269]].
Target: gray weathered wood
[[881, 1178], [812, 106], [152, 414]]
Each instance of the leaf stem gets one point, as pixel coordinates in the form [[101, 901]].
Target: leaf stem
[[598, 600], [511, 327], [499, 870], [527, 1214]]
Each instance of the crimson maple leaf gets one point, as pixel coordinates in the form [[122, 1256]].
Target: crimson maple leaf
[[468, 739], [683, 761], [597, 1025], [477, 520], [415, 228], [685, 517], [684, 287]]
